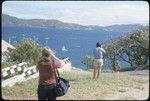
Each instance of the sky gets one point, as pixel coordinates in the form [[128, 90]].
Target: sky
[[101, 13]]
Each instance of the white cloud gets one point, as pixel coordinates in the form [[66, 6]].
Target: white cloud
[[83, 12], [125, 14]]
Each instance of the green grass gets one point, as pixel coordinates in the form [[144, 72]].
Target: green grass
[[8, 64], [82, 86]]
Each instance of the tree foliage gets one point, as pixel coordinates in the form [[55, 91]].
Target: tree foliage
[[88, 61], [132, 48], [27, 50]]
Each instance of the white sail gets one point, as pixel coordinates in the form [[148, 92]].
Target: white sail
[[64, 49]]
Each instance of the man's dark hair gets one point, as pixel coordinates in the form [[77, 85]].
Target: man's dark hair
[[98, 44]]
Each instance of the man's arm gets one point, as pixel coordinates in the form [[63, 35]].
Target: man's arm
[[103, 50]]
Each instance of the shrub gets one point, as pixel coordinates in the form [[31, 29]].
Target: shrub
[[88, 61], [26, 51]]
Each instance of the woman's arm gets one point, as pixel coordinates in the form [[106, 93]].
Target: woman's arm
[[59, 64], [62, 63]]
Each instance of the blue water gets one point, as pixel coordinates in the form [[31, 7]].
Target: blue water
[[77, 42]]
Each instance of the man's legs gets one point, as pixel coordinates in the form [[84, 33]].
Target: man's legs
[[98, 69], [94, 71]]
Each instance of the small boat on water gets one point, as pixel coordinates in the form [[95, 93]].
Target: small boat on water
[[64, 49]]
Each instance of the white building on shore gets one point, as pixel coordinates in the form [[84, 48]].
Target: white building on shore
[[5, 47]]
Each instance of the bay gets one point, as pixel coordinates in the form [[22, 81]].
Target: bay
[[78, 43]]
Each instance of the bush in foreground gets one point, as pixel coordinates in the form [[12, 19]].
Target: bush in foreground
[[28, 50]]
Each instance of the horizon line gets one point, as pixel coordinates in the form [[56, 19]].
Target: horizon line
[[143, 24]]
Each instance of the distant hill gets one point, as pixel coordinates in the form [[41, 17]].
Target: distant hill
[[13, 21], [9, 21]]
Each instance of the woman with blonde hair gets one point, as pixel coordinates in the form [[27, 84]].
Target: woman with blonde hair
[[47, 78]]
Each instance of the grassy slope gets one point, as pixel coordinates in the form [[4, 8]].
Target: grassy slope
[[83, 86]]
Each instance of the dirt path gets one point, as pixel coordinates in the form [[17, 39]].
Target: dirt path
[[138, 72], [131, 94]]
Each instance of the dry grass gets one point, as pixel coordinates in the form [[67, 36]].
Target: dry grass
[[83, 87]]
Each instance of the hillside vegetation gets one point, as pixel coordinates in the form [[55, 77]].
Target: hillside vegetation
[[83, 87], [131, 49], [10, 21]]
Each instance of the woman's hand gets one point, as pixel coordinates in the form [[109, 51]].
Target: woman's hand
[[62, 63]]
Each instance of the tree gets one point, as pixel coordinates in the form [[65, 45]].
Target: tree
[[112, 51], [132, 48], [141, 39], [88, 61], [27, 50]]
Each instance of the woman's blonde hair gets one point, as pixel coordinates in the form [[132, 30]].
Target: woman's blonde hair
[[46, 52]]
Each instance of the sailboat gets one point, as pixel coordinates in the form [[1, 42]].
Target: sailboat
[[64, 49]]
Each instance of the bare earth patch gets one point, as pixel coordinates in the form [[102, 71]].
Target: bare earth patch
[[132, 94]]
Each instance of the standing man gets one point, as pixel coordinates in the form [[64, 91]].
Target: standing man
[[98, 59]]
